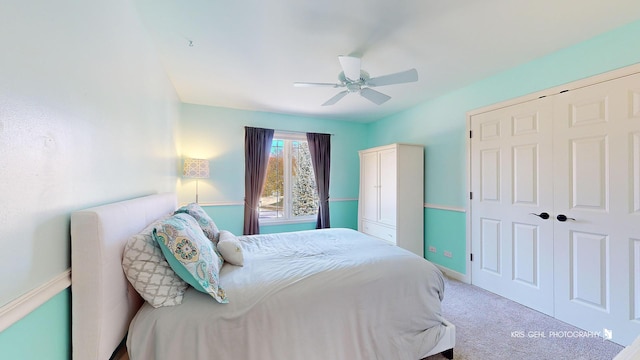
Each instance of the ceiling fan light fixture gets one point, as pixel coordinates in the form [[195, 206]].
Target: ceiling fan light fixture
[[349, 78], [354, 87]]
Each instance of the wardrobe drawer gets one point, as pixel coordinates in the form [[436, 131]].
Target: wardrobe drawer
[[379, 231]]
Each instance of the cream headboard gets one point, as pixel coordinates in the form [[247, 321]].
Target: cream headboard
[[103, 302]]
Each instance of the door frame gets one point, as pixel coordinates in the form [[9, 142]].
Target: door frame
[[573, 85]]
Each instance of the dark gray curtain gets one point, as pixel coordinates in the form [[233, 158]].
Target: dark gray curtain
[[257, 146], [320, 149]]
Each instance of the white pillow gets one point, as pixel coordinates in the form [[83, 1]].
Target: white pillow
[[149, 272], [230, 249]]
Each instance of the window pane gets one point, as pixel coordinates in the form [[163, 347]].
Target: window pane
[[272, 198], [290, 188], [304, 195]]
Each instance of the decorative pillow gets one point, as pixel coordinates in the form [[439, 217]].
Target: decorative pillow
[[230, 248], [148, 271], [206, 223], [190, 254]]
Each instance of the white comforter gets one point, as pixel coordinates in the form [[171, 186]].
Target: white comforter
[[321, 294]]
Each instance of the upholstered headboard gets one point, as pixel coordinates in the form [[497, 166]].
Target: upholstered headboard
[[103, 302]]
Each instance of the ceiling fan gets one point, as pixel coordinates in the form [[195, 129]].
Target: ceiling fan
[[356, 80]]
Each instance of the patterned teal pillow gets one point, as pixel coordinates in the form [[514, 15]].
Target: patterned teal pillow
[[206, 223], [190, 254]]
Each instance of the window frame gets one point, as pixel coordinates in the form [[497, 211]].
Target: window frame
[[287, 154]]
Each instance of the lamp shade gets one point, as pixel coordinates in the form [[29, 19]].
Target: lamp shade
[[196, 168]]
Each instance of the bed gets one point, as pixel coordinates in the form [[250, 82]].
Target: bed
[[319, 294]]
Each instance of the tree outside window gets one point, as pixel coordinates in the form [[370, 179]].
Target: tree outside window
[[290, 192]]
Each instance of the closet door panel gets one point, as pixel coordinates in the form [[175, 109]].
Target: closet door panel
[[388, 186], [490, 246], [595, 171], [525, 254], [369, 186], [589, 173], [511, 158], [589, 270], [635, 279], [634, 199], [490, 174], [633, 214], [525, 171], [574, 156]]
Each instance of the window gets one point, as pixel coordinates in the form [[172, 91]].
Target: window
[[289, 192]]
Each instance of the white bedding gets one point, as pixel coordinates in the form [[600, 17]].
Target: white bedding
[[320, 294]]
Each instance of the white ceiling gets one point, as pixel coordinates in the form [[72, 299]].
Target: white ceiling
[[246, 54]]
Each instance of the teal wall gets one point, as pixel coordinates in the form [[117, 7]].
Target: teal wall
[[87, 116], [218, 134], [440, 125], [343, 214], [444, 230], [45, 333]]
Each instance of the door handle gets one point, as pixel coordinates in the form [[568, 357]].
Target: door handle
[[543, 215], [564, 218]]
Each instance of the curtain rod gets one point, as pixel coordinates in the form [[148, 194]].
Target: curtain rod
[[295, 132], [298, 132]]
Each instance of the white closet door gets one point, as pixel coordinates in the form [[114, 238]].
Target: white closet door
[[369, 186], [597, 186], [388, 186], [511, 158]]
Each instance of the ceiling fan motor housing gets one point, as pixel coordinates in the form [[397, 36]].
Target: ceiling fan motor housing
[[354, 85], [363, 84]]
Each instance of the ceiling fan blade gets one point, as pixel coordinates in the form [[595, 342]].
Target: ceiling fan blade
[[335, 99], [397, 78], [311, 84], [350, 67], [374, 96]]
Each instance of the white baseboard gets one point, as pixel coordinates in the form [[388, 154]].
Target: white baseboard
[[22, 306], [454, 274]]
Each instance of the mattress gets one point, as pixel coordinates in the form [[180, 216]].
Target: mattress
[[319, 294]]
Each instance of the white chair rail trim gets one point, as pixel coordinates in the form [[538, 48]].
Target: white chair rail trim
[[241, 203], [426, 205], [22, 306], [445, 207], [221, 203], [342, 199]]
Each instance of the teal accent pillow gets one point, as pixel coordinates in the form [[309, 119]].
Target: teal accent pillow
[[190, 254], [206, 223]]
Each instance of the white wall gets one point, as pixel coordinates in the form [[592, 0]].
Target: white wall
[[87, 116]]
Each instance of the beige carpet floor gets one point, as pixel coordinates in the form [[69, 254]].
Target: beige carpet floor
[[491, 327]]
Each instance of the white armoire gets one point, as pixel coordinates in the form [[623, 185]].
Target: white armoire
[[391, 203]]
